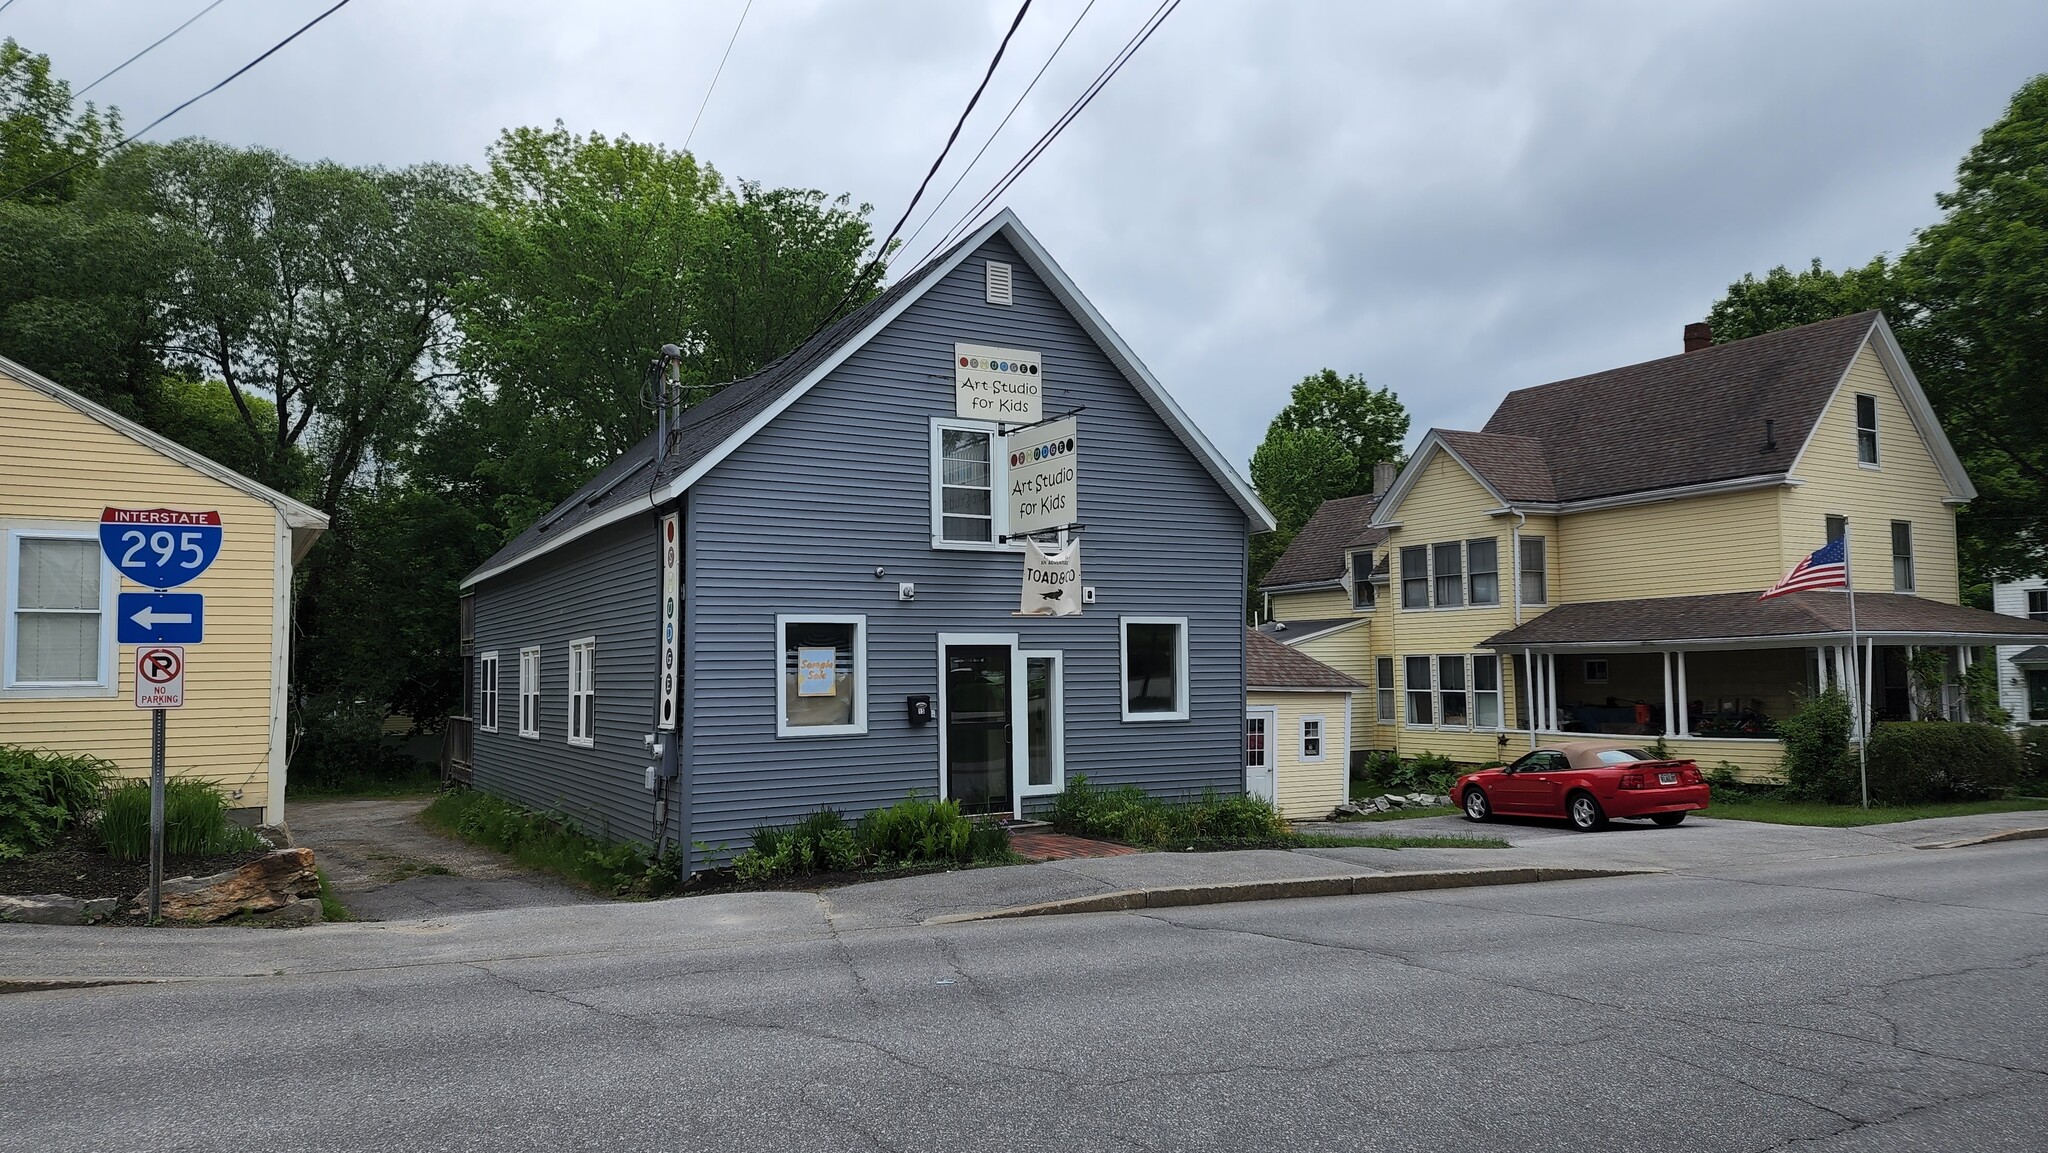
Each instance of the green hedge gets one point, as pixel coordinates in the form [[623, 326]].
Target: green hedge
[[2034, 755], [910, 832], [1132, 815], [1915, 761], [43, 793]]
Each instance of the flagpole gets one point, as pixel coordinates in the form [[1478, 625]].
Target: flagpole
[[1862, 724]]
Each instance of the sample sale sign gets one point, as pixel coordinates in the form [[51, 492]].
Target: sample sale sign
[[1005, 384], [1045, 470]]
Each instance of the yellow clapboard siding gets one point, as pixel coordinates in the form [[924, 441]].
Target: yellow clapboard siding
[[63, 467], [1307, 789], [1907, 485], [1704, 544], [1325, 604], [1349, 652]]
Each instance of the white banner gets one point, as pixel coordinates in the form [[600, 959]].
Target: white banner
[[1045, 471], [671, 617], [1052, 581], [1002, 384]]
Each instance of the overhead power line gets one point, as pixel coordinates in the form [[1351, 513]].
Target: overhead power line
[[715, 75], [971, 218], [146, 51], [912, 238], [144, 130]]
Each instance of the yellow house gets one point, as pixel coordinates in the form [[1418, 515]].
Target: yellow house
[[65, 684], [1591, 560], [1298, 718]]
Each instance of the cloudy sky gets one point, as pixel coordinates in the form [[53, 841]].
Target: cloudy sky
[[1452, 198]]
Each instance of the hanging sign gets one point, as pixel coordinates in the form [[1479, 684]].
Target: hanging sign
[[817, 672], [159, 548], [671, 617], [1002, 384], [1052, 581], [160, 677], [1045, 484]]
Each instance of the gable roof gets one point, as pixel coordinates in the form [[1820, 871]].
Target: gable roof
[[305, 521], [1740, 616], [1317, 553], [1268, 664], [1513, 468], [1296, 631], [710, 431]]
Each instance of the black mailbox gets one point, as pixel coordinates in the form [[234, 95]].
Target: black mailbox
[[920, 710]]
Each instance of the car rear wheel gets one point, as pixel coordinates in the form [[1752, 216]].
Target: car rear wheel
[[1585, 812], [1668, 819], [1476, 806]]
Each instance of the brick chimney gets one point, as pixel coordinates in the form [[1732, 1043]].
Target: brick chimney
[[1698, 335], [1383, 476]]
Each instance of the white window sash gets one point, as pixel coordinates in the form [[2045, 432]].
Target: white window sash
[[859, 724], [582, 684], [487, 692], [1318, 736], [998, 479], [1179, 712], [529, 694], [106, 682]]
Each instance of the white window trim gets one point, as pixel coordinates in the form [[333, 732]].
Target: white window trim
[[1058, 728], [1522, 570], [1123, 670], [1429, 690], [859, 724], [587, 646], [109, 682], [1385, 685], [1322, 739], [1438, 691], [1876, 461], [1586, 670], [487, 699], [529, 690], [999, 485], [1470, 572], [1912, 560], [1498, 692]]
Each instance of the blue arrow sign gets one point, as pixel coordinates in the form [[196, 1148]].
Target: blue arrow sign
[[159, 548], [160, 618]]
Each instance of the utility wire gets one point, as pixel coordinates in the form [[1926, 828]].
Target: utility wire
[[148, 50], [967, 223], [915, 233], [6, 6], [133, 136], [715, 75]]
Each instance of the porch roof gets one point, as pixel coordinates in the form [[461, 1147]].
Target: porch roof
[[1272, 665], [2038, 655], [1741, 620]]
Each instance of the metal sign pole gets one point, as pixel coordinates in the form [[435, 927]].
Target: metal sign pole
[[156, 814]]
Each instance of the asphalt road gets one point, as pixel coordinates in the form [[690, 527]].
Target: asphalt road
[[1887, 1003]]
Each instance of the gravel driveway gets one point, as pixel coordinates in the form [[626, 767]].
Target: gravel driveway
[[386, 865]]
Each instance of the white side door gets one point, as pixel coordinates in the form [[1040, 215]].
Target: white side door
[[1261, 727]]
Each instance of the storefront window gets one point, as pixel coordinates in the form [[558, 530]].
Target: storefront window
[[822, 689], [1155, 669]]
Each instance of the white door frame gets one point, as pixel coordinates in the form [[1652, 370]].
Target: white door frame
[[1271, 715], [1020, 766], [992, 640]]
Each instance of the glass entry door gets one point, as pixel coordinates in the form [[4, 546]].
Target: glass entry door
[[978, 727]]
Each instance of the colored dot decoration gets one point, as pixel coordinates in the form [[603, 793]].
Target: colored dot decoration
[[999, 365]]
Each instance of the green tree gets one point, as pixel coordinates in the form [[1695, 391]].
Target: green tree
[[1787, 299], [1370, 422], [44, 140]]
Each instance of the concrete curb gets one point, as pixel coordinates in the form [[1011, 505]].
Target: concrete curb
[[2031, 834], [1178, 896]]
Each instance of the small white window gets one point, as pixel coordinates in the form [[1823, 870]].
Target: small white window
[[582, 692], [59, 594], [968, 475], [999, 278], [1155, 663], [1596, 670], [487, 692], [822, 683], [1866, 430], [529, 693], [1383, 686], [1454, 705], [1421, 698], [1485, 691], [1255, 741], [1311, 738]]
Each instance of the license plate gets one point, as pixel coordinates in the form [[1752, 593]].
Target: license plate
[[1667, 778]]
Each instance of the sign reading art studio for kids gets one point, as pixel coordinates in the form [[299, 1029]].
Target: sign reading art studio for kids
[[1004, 384], [1045, 470]]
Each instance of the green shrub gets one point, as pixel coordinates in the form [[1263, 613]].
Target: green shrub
[[912, 831], [552, 844], [1980, 694], [1386, 772], [43, 793], [1376, 766], [343, 748], [820, 842], [195, 821], [1817, 764], [1911, 762], [1131, 815], [2034, 757]]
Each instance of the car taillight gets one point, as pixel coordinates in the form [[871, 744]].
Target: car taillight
[[1631, 780], [1690, 774]]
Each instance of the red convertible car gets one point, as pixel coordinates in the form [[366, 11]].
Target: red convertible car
[[1586, 783]]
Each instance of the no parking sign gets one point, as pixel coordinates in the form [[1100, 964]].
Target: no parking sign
[[160, 677]]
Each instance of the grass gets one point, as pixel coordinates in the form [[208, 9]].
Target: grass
[[415, 784], [1404, 814], [548, 844], [1778, 812], [331, 908], [1396, 841]]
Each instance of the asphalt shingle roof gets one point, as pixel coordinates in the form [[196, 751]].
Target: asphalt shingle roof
[[1317, 552], [1741, 616], [1269, 664]]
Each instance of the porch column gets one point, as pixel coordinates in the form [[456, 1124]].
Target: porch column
[[1869, 682], [1912, 690], [1550, 688], [1664, 660], [1529, 674], [1962, 674], [1684, 699]]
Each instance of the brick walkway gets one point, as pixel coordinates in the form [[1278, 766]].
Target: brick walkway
[[1042, 844]]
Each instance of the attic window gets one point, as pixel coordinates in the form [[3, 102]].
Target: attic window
[[999, 283]]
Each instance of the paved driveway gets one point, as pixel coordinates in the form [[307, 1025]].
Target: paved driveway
[[386, 865]]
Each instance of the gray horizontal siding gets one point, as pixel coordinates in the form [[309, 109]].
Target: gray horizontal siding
[[799, 518], [607, 585]]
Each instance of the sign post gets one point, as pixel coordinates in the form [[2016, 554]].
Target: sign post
[[159, 548]]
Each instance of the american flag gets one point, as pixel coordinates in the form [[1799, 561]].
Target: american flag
[[1827, 568]]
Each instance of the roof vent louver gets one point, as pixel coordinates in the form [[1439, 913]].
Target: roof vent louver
[[998, 283]]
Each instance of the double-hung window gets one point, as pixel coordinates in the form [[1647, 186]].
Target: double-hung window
[[1482, 557], [1835, 527], [1421, 708], [1450, 575], [56, 633], [1155, 659], [1415, 577], [1455, 707], [822, 686], [1383, 686], [487, 692], [1362, 595], [1311, 738], [1866, 430], [529, 694], [967, 471], [2037, 604], [1485, 691], [1535, 588], [583, 692], [1902, 556]]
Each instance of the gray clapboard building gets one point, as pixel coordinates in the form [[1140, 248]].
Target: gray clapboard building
[[841, 624]]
